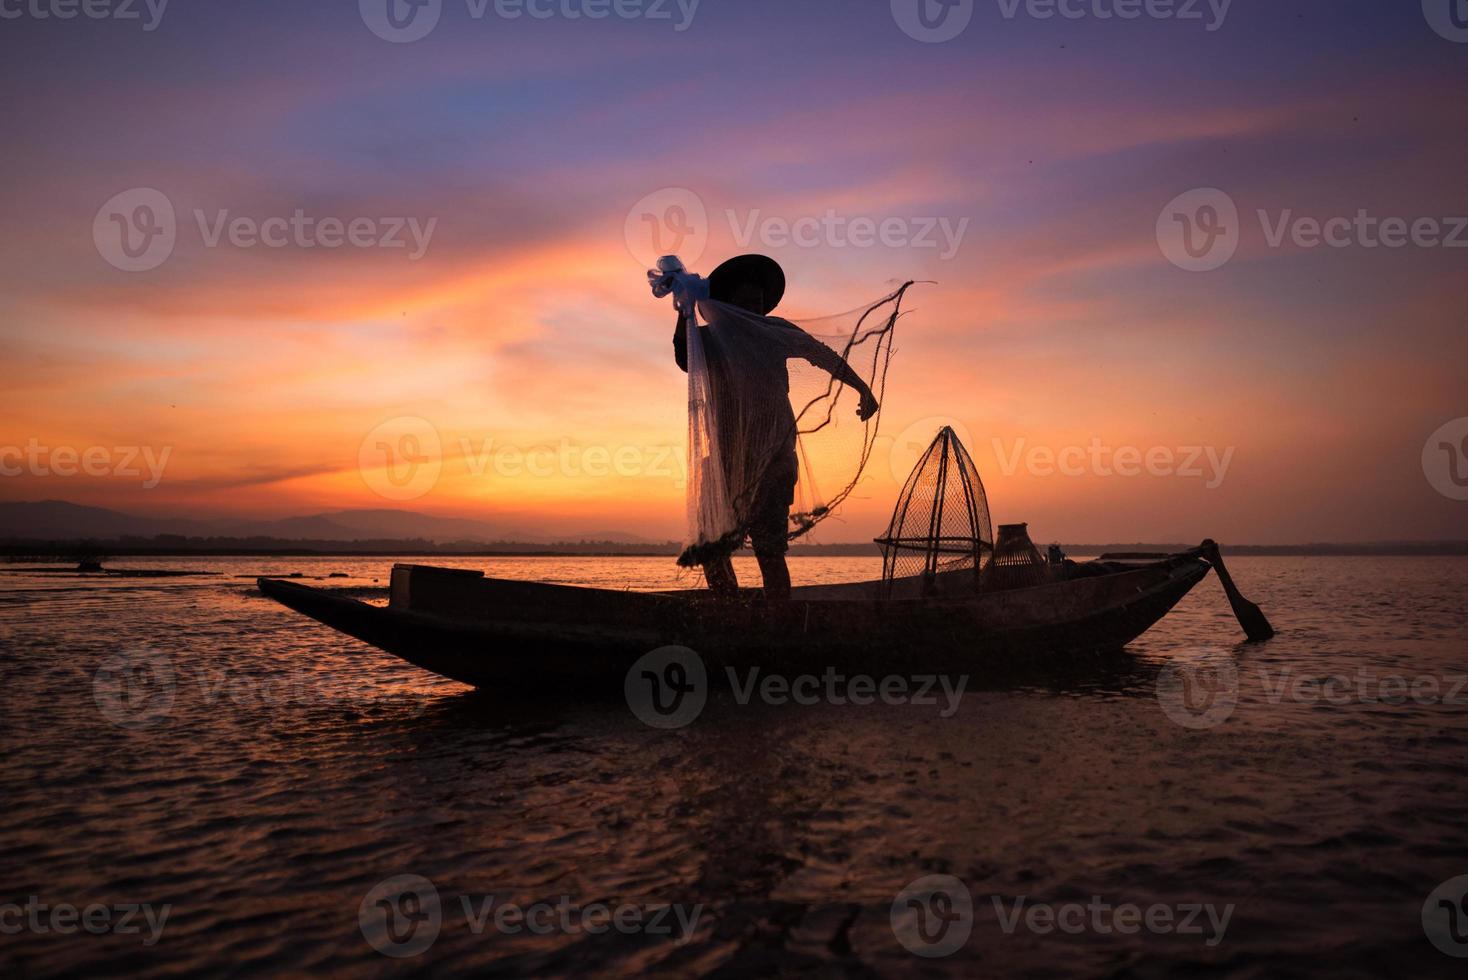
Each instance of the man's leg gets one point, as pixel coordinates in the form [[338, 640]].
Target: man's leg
[[721, 578], [774, 572], [767, 534]]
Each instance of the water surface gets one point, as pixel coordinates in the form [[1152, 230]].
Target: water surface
[[293, 770]]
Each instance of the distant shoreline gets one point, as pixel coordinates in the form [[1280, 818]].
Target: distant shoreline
[[61, 551]]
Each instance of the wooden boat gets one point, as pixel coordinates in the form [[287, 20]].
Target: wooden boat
[[509, 635]]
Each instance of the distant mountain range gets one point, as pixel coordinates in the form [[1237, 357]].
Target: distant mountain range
[[57, 520]]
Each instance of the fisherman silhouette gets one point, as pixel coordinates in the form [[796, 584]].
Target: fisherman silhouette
[[756, 284]]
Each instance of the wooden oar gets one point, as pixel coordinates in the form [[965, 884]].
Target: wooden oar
[[1250, 616]]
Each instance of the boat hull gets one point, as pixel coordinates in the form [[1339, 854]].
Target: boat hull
[[529, 637]]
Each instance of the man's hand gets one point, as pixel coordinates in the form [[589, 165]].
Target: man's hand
[[868, 406]]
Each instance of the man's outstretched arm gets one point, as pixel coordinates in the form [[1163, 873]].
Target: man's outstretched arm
[[810, 349]]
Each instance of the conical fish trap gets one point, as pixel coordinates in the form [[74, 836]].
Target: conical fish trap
[[941, 522], [1017, 563]]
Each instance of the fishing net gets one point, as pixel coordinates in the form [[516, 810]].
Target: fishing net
[[773, 403], [941, 522]]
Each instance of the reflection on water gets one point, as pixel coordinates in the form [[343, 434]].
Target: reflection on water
[[289, 771]]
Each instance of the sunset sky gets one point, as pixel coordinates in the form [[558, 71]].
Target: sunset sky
[[531, 147]]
